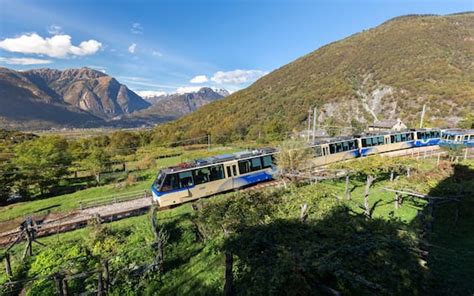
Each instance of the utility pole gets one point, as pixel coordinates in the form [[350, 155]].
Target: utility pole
[[422, 115], [314, 123], [309, 123], [208, 141]]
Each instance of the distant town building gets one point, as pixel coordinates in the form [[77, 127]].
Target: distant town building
[[389, 124]]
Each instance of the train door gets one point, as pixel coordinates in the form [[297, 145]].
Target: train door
[[231, 172], [387, 140]]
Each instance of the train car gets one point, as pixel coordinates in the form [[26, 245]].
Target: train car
[[457, 138], [205, 177], [335, 150], [385, 142], [427, 137]]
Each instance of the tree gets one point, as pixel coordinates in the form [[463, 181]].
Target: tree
[[96, 161], [124, 143], [467, 122], [43, 162], [293, 156], [7, 180]]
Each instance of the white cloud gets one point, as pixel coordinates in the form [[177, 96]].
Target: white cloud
[[58, 46], [187, 89], [55, 30], [137, 28], [24, 61], [156, 53], [150, 93], [131, 48], [199, 79], [237, 76]]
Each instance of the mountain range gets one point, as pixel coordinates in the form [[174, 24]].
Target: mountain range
[[49, 98], [386, 72], [173, 106]]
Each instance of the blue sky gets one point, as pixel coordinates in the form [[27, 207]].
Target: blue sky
[[162, 46]]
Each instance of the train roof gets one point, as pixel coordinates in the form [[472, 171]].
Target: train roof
[[455, 132], [218, 159]]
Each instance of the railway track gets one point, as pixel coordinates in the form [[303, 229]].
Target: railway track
[[134, 207]]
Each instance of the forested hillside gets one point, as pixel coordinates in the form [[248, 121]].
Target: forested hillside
[[387, 72]]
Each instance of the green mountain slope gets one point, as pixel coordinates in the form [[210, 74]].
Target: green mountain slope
[[387, 72]]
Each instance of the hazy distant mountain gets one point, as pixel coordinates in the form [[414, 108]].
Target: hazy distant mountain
[[172, 106], [44, 98], [386, 72]]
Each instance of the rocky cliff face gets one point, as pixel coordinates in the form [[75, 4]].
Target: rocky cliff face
[[44, 98], [89, 90], [24, 104]]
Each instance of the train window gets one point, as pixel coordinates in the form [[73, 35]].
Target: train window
[[351, 145], [332, 148], [345, 146], [365, 142], [201, 175], [403, 137], [244, 166], [256, 164], [171, 182], [381, 140], [410, 136], [267, 161], [229, 172], [216, 172], [186, 179], [318, 151]]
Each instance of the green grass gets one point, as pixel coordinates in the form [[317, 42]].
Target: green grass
[[192, 268]]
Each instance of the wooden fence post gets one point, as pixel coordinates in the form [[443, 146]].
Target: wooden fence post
[[65, 287], [348, 192], [370, 180], [100, 284], [8, 267], [397, 200], [105, 266], [58, 281], [229, 274]]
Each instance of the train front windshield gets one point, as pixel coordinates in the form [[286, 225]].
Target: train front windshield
[[159, 180]]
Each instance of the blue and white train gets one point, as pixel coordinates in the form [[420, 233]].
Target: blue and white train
[[205, 177], [457, 138]]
